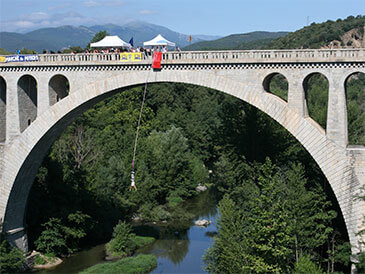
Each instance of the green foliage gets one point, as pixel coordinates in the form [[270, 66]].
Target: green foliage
[[73, 50], [360, 266], [12, 259], [174, 201], [97, 37], [250, 40], [318, 35], [61, 237], [355, 93], [141, 241], [122, 243], [270, 219], [4, 52], [39, 260], [28, 51], [52, 238], [317, 97], [279, 86], [140, 264], [306, 265]]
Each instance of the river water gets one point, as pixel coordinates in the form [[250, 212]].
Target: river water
[[178, 250]]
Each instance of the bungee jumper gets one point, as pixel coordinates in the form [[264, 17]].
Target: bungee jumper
[[156, 66], [133, 183]]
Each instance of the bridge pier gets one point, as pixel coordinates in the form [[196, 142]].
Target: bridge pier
[[12, 109], [336, 112], [18, 237], [296, 95]]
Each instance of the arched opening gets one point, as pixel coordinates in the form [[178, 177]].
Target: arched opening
[[27, 101], [355, 102], [58, 88], [2, 110], [316, 94], [276, 84]]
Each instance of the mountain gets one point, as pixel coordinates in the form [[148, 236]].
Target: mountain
[[249, 40], [66, 36], [141, 32], [336, 34]]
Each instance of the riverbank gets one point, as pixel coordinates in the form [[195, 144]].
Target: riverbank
[[137, 265], [178, 247]]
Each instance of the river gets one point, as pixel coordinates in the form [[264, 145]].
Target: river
[[178, 250]]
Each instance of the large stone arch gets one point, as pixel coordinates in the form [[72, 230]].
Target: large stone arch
[[2, 110], [24, 156]]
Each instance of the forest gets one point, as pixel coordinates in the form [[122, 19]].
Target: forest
[[277, 211]]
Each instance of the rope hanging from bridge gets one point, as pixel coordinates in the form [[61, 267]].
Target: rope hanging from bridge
[[133, 184]]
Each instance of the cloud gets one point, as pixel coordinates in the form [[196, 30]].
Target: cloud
[[40, 19], [60, 7], [91, 3], [147, 12], [37, 16], [104, 3]]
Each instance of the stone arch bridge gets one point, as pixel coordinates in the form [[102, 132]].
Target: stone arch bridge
[[39, 99]]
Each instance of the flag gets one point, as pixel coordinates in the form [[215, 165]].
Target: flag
[[189, 38], [131, 42]]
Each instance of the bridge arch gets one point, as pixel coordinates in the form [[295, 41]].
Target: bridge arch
[[355, 93], [27, 152], [27, 101], [311, 98], [280, 79], [58, 88], [2, 110]]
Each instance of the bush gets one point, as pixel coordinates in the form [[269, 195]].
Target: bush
[[174, 201], [360, 266], [160, 214], [39, 260], [142, 241], [11, 258], [52, 239], [139, 264], [305, 265], [122, 243]]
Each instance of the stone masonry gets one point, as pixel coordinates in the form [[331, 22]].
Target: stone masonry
[[243, 74]]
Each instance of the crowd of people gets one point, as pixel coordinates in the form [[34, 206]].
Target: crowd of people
[[147, 51]]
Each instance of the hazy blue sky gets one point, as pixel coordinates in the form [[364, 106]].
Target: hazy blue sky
[[185, 16]]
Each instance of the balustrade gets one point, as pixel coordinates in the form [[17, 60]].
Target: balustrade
[[302, 55]]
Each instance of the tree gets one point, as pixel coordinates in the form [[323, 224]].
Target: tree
[[272, 225], [97, 37], [12, 259], [122, 243], [306, 265]]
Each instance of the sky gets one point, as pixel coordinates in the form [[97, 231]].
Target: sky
[[209, 17]]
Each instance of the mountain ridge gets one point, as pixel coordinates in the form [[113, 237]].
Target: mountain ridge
[[56, 38]]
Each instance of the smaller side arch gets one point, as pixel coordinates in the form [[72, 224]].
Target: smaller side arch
[[354, 86], [58, 88], [2, 110], [316, 90], [276, 84], [27, 101]]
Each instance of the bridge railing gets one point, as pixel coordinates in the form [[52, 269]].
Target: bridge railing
[[305, 55]]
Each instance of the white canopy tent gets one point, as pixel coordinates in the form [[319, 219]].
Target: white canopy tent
[[159, 41], [110, 42]]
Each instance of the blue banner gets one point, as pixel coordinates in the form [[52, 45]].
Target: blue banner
[[19, 58]]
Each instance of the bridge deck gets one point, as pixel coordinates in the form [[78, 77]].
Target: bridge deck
[[205, 57]]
